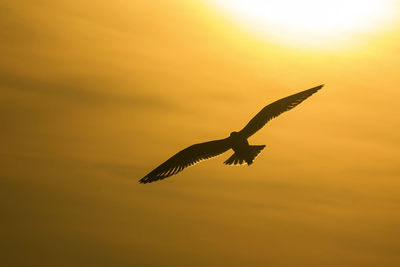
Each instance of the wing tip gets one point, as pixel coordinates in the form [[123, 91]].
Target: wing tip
[[314, 89], [318, 87], [147, 179], [152, 178], [144, 180]]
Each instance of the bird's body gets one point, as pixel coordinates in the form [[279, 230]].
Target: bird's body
[[239, 144], [244, 153], [237, 141]]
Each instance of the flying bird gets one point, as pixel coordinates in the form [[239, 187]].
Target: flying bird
[[237, 141]]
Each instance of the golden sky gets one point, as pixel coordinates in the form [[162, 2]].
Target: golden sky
[[97, 94]]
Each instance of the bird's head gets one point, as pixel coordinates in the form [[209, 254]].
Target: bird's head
[[234, 134]]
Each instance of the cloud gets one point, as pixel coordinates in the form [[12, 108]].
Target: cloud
[[83, 90]]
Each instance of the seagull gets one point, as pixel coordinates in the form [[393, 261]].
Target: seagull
[[237, 141]]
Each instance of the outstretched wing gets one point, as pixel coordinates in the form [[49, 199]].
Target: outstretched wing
[[275, 109], [187, 157]]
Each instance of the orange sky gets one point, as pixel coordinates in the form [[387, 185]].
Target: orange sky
[[95, 97]]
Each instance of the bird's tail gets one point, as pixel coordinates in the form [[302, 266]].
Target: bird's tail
[[246, 157]]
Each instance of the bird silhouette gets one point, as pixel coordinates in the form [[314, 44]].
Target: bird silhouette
[[237, 141]]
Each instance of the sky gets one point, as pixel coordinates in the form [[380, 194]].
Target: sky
[[97, 94]]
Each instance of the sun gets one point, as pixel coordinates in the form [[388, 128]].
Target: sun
[[311, 22]]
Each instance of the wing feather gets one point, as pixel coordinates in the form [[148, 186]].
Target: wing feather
[[275, 109], [187, 157]]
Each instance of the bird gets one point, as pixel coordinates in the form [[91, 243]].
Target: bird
[[237, 141]]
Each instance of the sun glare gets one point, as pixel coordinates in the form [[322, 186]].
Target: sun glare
[[311, 22]]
